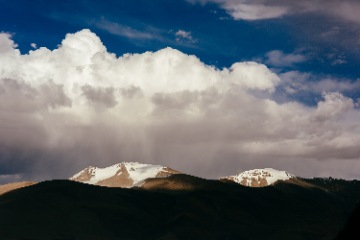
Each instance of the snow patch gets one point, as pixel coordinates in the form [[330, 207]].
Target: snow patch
[[99, 174], [139, 171], [269, 174]]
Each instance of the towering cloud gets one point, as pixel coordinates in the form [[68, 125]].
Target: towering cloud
[[79, 105]]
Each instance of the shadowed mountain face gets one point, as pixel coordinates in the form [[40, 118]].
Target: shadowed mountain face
[[211, 210], [351, 229]]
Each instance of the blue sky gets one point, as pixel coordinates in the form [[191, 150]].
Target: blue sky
[[313, 47]]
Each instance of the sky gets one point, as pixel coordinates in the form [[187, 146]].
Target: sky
[[208, 87]]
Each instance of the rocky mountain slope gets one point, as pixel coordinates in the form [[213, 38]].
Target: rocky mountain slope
[[260, 177], [125, 174]]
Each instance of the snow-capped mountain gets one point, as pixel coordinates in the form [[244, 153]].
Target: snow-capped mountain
[[260, 177], [125, 174]]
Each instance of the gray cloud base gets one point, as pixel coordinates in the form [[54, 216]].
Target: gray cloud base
[[79, 105]]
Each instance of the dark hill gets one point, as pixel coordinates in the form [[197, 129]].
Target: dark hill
[[184, 182], [351, 229], [216, 210]]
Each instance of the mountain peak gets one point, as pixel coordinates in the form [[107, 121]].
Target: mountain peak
[[125, 174], [260, 177]]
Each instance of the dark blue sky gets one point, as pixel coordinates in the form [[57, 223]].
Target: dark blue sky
[[218, 39]]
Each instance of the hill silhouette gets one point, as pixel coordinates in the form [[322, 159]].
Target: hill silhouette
[[64, 209], [351, 229]]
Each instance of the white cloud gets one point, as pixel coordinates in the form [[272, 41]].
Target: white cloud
[[251, 75], [6, 43], [33, 45], [80, 105], [182, 34], [300, 82], [334, 104], [249, 10], [124, 31], [267, 9], [253, 11], [278, 58]]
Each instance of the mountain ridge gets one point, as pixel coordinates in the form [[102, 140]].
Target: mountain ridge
[[63, 209], [148, 176], [130, 174]]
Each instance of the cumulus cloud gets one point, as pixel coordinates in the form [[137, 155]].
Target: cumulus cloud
[[6, 43], [80, 105], [334, 105]]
